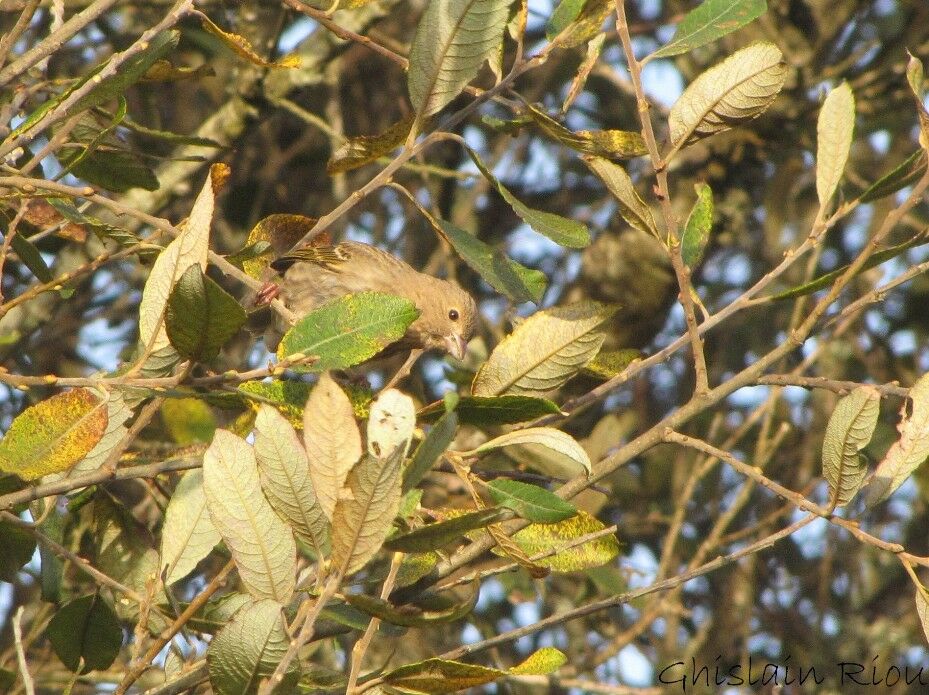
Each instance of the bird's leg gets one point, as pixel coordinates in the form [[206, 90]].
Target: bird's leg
[[404, 371], [267, 292]]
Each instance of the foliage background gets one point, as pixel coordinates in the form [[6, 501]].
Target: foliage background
[[822, 594]]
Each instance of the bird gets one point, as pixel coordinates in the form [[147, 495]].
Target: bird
[[313, 275]]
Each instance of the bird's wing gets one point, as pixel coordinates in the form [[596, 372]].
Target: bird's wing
[[325, 255]]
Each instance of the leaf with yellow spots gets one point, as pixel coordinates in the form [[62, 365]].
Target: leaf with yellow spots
[[53, 435], [269, 238], [539, 538], [242, 47], [348, 330]]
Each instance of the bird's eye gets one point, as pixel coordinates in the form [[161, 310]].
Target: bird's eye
[[453, 314]]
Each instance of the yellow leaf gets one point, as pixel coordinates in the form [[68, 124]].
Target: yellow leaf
[[243, 47], [53, 435]]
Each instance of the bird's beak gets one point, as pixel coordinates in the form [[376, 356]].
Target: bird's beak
[[456, 346]]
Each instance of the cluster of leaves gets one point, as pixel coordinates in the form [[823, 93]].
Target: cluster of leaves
[[314, 494]]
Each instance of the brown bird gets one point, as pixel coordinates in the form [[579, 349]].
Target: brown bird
[[316, 274]]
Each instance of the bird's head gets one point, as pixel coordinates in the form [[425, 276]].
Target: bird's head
[[447, 319]]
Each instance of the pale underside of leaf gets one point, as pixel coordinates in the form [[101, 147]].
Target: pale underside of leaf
[[732, 92], [362, 518], [850, 428], [554, 440], [191, 246], [833, 140], [907, 453], [261, 544], [332, 440], [188, 534], [285, 477], [544, 351], [453, 39]]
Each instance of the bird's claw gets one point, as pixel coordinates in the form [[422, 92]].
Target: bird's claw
[[268, 292]]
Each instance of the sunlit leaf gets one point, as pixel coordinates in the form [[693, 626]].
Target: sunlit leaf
[[834, 131], [287, 396], [734, 91], [349, 330], [188, 534], [907, 453], [576, 21], [610, 363], [544, 351], [242, 47], [391, 422], [280, 232], [710, 20], [188, 420], [54, 434], [189, 248], [261, 544], [364, 149], [284, 470], [556, 441], [610, 144], [453, 40], [332, 440], [363, 518], [850, 428], [539, 538]]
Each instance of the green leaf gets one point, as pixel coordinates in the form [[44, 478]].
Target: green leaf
[[834, 130], [452, 41], [248, 649], [188, 420], [530, 501], [565, 12], [711, 20], [698, 225], [610, 363], [18, 547], [201, 316], [129, 72], [610, 144], [559, 229], [540, 663], [121, 236], [413, 616], [850, 428], [438, 535], [114, 170], [544, 351], [827, 279], [86, 627], [631, 206], [906, 173], [578, 22], [519, 283], [54, 434], [31, 258], [349, 330], [435, 443], [289, 397], [484, 411]]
